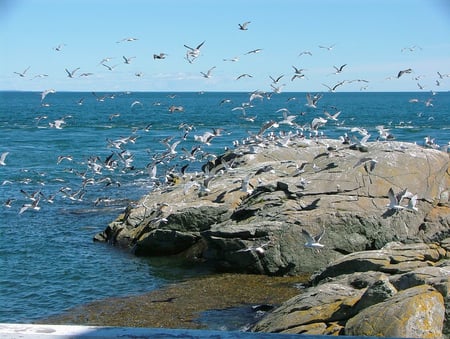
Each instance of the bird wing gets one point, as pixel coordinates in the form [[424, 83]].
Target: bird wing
[[392, 198], [319, 236], [308, 236]]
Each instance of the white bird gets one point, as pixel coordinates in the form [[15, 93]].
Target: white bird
[[339, 69], [193, 53], [333, 117], [243, 27], [313, 241], [127, 60], [159, 56], [311, 101], [127, 39], [70, 74], [46, 92], [396, 199], [23, 73], [33, 206], [258, 249], [2, 158], [412, 203], [329, 48], [208, 74], [287, 119]]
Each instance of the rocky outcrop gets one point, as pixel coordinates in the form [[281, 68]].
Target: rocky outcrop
[[245, 212], [397, 291]]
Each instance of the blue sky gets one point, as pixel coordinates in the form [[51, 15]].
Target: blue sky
[[368, 36]]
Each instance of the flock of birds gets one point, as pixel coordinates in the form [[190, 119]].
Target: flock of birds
[[176, 166]]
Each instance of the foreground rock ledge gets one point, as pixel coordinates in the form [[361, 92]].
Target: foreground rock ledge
[[311, 185], [407, 296]]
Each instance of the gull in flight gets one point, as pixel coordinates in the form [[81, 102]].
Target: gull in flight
[[127, 60], [127, 39], [258, 249], [208, 74], [72, 73], [23, 73], [329, 48], [2, 158], [339, 69], [59, 47], [395, 200], [408, 70], [33, 205], [193, 53], [312, 100], [313, 241], [159, 56], [47, 91], [243, 27], [305, 53], [254, 51], [332, 89]]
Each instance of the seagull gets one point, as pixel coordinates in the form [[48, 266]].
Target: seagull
[[329, 48], [243, 27], [339, 69], [313, 241], [305, 53], [127, 39], [254, 51], [193, 53], [333, 117], [59, 47], [208, 74], [71, 74], [23, 73], [275, 80], [47, 91], [409, 70], [33, 205], [396, 199], [2, 158], [312, 100], [412, 203], [258, 249], [127, 60], [159, 56], [332, 89], [110, 67], [244, 75]]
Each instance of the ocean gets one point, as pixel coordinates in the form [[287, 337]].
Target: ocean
[[55, 151]]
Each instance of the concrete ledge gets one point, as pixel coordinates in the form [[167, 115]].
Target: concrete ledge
[[13, 331]]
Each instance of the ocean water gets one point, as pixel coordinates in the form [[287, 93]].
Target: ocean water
[[48, 260]]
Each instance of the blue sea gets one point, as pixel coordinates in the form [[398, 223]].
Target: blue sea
[[48, 260]]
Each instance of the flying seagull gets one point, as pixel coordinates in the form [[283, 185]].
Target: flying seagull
[[243, 27], [193, 53], [313, 241], [23, 73], [2, 158], [409, 70]]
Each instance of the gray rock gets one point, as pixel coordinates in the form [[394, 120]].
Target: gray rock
[[417, 312], [335, 190]]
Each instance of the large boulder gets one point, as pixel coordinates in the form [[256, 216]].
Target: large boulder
[[373, 299], [311, 184]]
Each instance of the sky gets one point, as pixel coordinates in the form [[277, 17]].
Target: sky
[[374, 39]]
